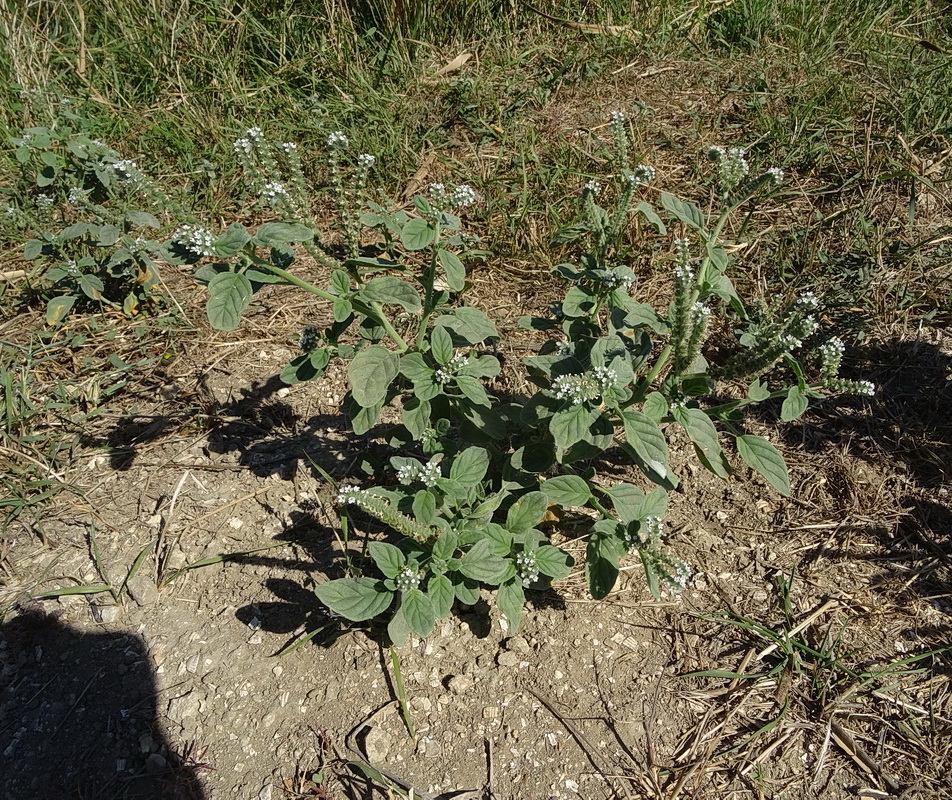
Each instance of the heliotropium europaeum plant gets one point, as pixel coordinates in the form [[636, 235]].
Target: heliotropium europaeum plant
[[473, 475], [92, 218]]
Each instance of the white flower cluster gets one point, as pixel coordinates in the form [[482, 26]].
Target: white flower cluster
[[831, 354], [272, 191], [243, 146], [527, 569], [649, 533], [76, 196], [289, 147], [461, 197], [683, 273], [366, 161], [808, 300], [349, 495], [643, 173], [791, 342], [198, 241], [445, 374], [700, 312], [732, 167], [678, 577], [427, 474], [337, 140], [308, 340], [72, 269], [617, 117], [682, 249], [43, 200], [776, 175], [407, 579], [593, 187], [124, 169], [578, 389], [614, 280], [255, 134]]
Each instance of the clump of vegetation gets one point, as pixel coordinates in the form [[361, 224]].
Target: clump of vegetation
[[476, 473]]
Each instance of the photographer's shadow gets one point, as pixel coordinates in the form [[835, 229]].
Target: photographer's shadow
[[78, 717]]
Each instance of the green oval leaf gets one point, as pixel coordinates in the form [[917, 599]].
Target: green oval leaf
[[646, 439], [552, 561], [229, 294], [58, 308], [702, 432], [419, 612], [417, 234], [389, 559], [688, 213], [356, 599], [388, 290], [794, 405], [510, 598], [371, 373], [567, 490], [441, 344], [762, 457], [273, 233], [442, 595], [527, 512], [453, 269]]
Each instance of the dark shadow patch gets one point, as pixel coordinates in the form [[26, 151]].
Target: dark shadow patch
[[78, 717]]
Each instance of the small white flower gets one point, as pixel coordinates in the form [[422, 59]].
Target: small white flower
[[526, 568], [407, 579], [617, 117], [337, 140], [592, 187], [243, 146], [643, 173], [289, 147], [462, 196], [272, 191], [366, 161], [76, 196], [197, 241], [255, 134], [683, 273], [867, 388], [125, 169], [349, 495], [72, 269], [43, 200], [776, 175]]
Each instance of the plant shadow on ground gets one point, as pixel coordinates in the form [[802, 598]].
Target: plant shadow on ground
[[271, 439], [78, 717], [891, 477]]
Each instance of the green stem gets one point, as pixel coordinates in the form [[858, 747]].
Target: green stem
[[429, 277], [372, 310], [663, 357]]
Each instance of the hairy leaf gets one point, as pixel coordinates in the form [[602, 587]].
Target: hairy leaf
[[229, 294], [371, 373], [357, 599], [761, 456], [389, 559], [567, 490]]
